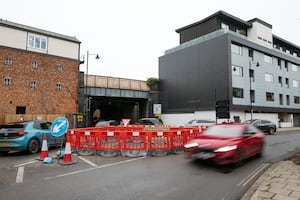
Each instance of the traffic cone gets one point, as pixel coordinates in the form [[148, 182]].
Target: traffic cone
[[44, 151], [67, 154]]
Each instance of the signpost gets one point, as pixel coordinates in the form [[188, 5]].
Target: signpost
[[59, 127]]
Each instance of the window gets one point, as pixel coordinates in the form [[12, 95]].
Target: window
[[287, 83], [7, 81], [287, 99], [286, 65], [279, 63], [269, 77], [252, 96], [34, 65], [295, 83], [38, 42], [20, 110], [30, 41], [236, 49], [251, 74], [58, 86], [268, 59], [58, 68], [295, 68], [237, 70], [43, 43], [280, 99], [280, 81], [33, 84], [297, 100], [224, 26], [8, 61], [250, 53], [238, 92], [269, 96]]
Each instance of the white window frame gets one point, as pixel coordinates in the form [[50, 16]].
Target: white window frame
[[58, 86], [269, 78], [236, 49], [37, 42], [295, 68], [32, 84], [7, 81], [237, 70], [224, 26], [59, 68], [268, 59], [34, 64], [295, 83], [8, 61]]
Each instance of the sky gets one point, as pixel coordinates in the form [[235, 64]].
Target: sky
[[131, 35]]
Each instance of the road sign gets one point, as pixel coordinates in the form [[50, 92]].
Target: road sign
[[59, 127]]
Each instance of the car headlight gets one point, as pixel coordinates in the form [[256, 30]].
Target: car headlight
[[190, 145], [226, 148]]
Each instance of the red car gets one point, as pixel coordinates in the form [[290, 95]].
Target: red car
[[227, 143]]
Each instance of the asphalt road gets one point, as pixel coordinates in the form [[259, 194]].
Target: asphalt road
[[171, 177]]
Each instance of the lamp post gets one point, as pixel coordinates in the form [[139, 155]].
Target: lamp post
[[87, 97], [250, 83]]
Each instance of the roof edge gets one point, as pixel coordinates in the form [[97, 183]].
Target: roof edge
[[37, 30]]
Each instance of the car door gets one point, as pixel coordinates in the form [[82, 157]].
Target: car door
[[254, 140], [250, 141]]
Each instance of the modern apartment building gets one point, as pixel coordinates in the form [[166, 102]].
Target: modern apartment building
[[39, 71], [223, 57]]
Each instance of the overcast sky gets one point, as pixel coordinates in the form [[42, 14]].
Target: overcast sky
[[130, 35]]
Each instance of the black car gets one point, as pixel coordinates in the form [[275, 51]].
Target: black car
[[149, 121], [264, 125]]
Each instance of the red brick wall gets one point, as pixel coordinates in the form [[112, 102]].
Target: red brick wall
[[44, 99]]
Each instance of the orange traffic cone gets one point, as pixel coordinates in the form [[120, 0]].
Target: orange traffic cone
[[44, 151], [67, 155]]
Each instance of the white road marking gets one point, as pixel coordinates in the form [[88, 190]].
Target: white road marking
[[26, 163], [249, 178], [98, 167], [87, 161], [20, 175]]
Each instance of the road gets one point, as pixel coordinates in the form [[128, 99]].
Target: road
[[169, 178]]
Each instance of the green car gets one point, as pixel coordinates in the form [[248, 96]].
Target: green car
[[27, 136]]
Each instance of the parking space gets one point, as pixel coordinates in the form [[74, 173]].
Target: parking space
[[33, 169]]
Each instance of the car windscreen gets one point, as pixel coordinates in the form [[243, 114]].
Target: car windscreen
[[224, 131]]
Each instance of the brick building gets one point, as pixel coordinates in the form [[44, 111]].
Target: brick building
[[39, 71]]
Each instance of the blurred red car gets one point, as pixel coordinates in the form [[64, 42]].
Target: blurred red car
[[227, 143]]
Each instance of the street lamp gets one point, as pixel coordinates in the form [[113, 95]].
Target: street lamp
[[87, 98], [251, 96]]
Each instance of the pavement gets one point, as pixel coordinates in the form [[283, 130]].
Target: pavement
[[279, 182]]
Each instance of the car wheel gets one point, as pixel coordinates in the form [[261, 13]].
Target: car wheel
[[239, 158], [33, 146], [271, 131]]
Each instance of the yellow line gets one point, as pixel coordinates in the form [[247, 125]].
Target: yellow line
[[249, 178]]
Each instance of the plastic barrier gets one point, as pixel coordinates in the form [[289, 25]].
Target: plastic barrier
[[86, 142], [178, 139], [135, 144], [108, 143], [159, 143], [131, 141], [71, 133]]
